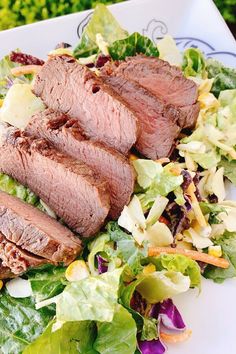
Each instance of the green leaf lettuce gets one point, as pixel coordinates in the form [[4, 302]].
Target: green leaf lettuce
[[20, 323], [228, 245], [224, 78], [179, 263], [118, 336], [47, 281], [101, 22], [132, 45], [93, 298]]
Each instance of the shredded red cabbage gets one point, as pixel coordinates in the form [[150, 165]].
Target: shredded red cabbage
[[170, 316], [152, 347], [187, 180], [177, 216], [102, 264], [196, 180]]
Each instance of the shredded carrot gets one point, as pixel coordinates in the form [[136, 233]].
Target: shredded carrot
[[175, 338], [26, 69], [195, 255]]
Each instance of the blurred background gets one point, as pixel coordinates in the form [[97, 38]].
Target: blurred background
[[20, 12]]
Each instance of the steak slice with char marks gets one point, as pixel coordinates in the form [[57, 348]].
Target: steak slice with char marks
[[66, 86], [67, 186], [16, 259], [36, 232], [159, 122], [163, 99], [163, 80], [112, 166]]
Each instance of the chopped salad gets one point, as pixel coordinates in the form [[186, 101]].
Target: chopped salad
[[116, 297]]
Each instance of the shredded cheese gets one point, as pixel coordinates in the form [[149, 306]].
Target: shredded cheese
[[196, 207], [26, 69]]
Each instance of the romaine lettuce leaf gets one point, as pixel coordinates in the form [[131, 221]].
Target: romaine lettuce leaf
[[127, 249], [168, 181], [149, 331], [228, 246], [118, 336], [147, 171], [17, 114], [20, 323], [215, 133], [224, 78], [132, 45], [179, 263], [93, 298], [95, 247], [229, 169], [169, 51], [10, 186], [132, 254], [213, 209], [207, 160], [104, 23], [47, 281], [71, 338], [158, 286], [6, 77], [126, 296], [194, 63], [156, 180]]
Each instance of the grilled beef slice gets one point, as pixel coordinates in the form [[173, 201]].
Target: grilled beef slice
[[163, 80], [164, 101], [16, 259], [159, 122], [66, 86], [67, 186], [5, 272], [35, 232], [112, 166]]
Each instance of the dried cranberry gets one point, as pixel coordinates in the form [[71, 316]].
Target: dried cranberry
[[25, 59]]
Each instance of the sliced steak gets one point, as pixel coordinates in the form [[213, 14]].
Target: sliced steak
[[163, 80], [163, 99], [36, 232], [69, 187], [5, 272], [66, 86], [159, 122], [16, 259], [111, 165]]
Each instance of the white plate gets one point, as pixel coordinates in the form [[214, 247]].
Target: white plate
[[212, 314]]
